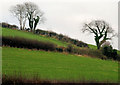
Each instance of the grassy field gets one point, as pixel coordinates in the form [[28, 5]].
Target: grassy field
[[52, 65], [29, 35], [56, 66]]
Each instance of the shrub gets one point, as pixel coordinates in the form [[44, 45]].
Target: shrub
[[118, 57], [91, 53], [61, 37], [70, 48], [6, 25], [81, 44], [27, 43], [109, 52], [60, 49], [85, 51]]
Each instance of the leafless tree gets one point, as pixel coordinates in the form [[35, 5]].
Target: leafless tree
[[101, 30], [35, 15], [20, 13]]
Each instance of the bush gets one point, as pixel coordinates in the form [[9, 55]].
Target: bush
[[109, 52], [61, 37], [70, 48], [60, 49], [85, 51], [6, 25], [89, 52], [118, 57], [27, 43]]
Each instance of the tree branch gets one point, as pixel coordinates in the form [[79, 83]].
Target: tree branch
[[91, 29]]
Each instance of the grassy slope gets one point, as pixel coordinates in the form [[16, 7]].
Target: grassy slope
[[52, 65], [10, 32], [92, 46]]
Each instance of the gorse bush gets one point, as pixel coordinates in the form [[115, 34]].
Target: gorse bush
[[27, 43]]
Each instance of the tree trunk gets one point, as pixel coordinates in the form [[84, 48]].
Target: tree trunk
[[24, 24], [97, 42], [20, 25]]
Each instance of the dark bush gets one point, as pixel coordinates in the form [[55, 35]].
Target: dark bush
[[41, 32], [27, 43], [27, 29], [60, 49], [114, 54], [81, 44], [61, 37], [6, 25], [118, 57], [70, 48], [109, 52]]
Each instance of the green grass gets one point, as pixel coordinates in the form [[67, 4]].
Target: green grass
[[92, 46], [118, 51], [29, 35], [56, 66], [53, 65]]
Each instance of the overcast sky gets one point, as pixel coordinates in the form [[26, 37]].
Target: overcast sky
[[68, 16]]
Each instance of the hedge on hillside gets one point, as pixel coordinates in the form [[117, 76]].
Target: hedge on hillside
[[6, 25], [85, 51], [27, 43], [61, 37]]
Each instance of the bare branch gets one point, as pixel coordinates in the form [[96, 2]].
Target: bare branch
[[101, 29], [20, 13]]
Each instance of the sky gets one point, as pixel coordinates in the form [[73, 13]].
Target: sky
[[67, 16]]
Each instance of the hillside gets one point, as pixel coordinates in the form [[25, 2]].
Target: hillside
[[57, 66], [29, 35], [47, 65], [47, 36]]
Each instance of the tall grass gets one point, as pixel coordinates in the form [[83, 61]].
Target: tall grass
[[13, 80]]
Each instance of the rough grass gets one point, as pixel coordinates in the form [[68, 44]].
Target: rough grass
[[56, 66], [12, 80], [29, 35]]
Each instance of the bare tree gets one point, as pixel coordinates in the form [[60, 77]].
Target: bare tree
[[101, 30], [19, 12], [35, 15]]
